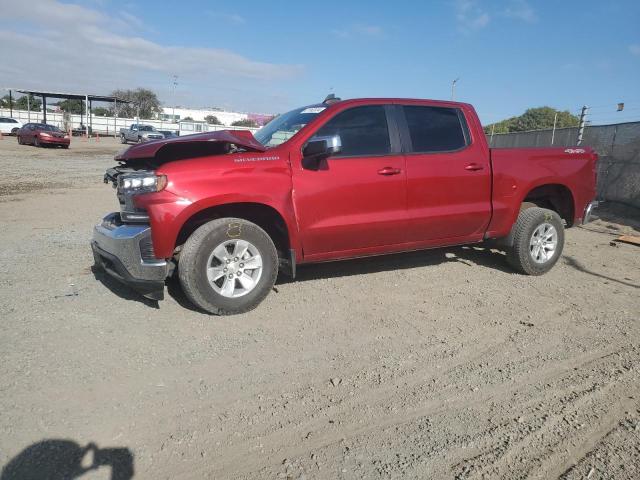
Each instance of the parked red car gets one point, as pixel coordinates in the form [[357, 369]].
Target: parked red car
[[41, 134], [331, 181]]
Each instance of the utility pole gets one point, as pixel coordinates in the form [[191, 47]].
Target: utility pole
[[173, 98], [583, 116], [453, 88], [553, 133]]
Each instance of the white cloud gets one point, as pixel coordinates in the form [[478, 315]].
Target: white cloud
[[359, 30], [233, 18], [521, 10], [75, 48], [470, 16], [635, 49]]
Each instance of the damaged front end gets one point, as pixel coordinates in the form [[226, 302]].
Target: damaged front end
[[122, 242]]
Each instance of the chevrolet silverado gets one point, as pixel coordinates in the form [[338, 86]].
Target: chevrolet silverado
[[226, 211]]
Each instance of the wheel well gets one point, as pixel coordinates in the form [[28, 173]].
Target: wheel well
[[262, 215], [554, 197]]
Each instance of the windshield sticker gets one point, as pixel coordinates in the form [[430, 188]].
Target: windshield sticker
[[313, 110]]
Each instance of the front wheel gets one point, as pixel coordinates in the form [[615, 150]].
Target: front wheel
[[538, 240], [228, 266], [123, 139], [36, 142], [20, 142]]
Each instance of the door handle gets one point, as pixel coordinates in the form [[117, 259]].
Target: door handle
[[389, 171], [472, 167]]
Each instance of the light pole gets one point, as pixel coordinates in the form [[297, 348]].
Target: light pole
[[173, 98], [453, 88]]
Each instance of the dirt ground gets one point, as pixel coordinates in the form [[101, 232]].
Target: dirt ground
[[438, 364]]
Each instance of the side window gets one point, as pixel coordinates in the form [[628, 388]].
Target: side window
[[363, 131], [435, 129]]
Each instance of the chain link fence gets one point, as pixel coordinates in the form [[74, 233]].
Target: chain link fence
[[617, 145]]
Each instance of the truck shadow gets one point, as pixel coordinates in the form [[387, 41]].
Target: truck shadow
[[121, 290], [471, 256], [572, 262], [468, 255], [58, 459]]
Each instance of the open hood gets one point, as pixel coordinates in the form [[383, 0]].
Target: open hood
[[189, 146]]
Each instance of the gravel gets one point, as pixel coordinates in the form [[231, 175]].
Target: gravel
[[438, 364]]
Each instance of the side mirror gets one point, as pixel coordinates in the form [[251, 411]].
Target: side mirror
[[319, 148]]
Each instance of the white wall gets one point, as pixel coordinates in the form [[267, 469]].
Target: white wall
[[227, 118], [111, 125]]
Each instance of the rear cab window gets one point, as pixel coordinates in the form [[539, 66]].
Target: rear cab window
[[436, 129]]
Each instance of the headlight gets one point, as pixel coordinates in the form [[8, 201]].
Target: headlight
[[45, 134], [137, 183]]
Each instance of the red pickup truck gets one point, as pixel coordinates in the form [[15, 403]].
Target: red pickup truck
[[228, 210]]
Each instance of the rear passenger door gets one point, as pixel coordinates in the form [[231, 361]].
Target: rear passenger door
[[448, 175]]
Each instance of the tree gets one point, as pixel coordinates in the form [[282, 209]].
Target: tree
[[246, 122], [34, 103], [187, 119], [212, 120], [142, 101], [101, 111], [6, 102], [534, 119], [72, 106]]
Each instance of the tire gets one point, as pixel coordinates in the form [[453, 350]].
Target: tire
[[66, 147], [20, 140], [139, 139], [123, 139], [530, 253], [36, 142], [201, 253], [14, 131]]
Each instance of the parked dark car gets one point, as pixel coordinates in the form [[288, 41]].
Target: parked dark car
[[41, 134], [169, 133]]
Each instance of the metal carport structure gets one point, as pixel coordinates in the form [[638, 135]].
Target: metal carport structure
[[89, 99]]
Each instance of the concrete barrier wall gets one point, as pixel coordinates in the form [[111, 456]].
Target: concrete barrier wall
[[618, 147], [111, 125]]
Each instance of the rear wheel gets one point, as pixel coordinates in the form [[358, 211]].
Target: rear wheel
[[14, 131], [139, 139], [228, 266], [20, 140], [538, 240]]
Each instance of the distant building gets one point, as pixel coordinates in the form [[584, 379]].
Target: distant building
[[177, 114]]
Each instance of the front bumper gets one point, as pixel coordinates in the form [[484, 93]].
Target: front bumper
[[588, 211], [124, 252], [55, 141]]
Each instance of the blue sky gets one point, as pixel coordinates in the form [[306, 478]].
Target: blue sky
[[273, 56]]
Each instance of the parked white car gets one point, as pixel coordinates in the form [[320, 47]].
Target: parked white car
[[9, 126]]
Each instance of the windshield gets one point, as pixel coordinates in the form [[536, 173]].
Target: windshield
[[285, 126], [48, 128], [145, 128]]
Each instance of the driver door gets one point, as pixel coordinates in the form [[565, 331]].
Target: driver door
[[354, 202]]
